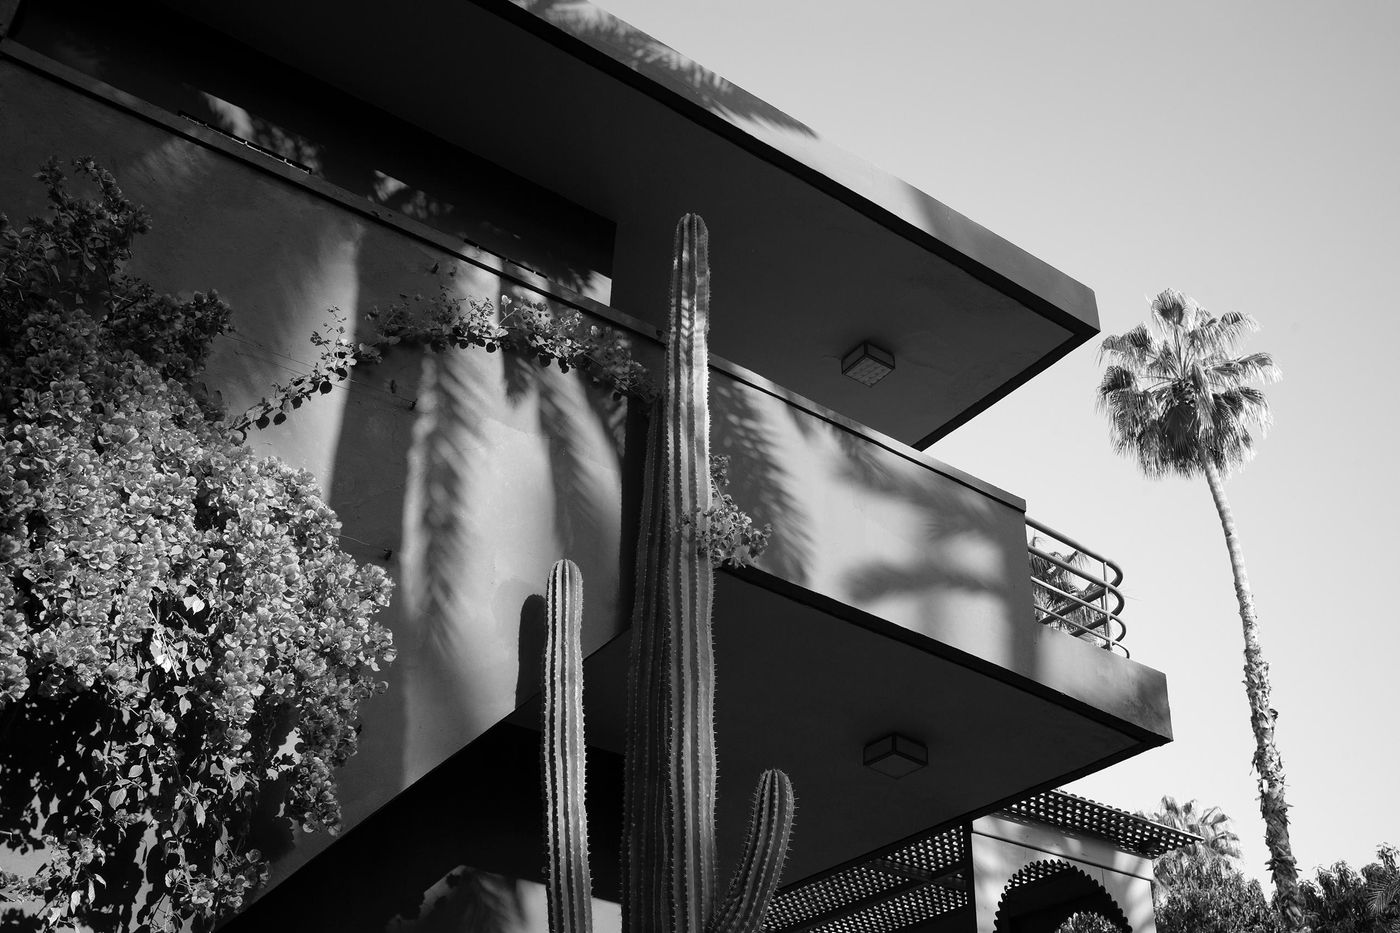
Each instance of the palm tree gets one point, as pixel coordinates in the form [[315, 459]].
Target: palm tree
[[1383, 888], [1179, 401], [1219, 844], [1218, 837]]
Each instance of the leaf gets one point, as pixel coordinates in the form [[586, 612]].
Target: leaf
[[116, 798]]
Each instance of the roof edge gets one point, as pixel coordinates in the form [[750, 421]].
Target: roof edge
[[613, 46]]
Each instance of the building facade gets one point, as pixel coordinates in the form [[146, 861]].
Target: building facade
[[312, 156]]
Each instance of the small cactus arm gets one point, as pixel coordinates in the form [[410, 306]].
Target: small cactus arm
[[668, 869], [756, 876], [570, 887]]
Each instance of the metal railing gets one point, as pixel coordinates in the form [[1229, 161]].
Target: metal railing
[[1075, 589]]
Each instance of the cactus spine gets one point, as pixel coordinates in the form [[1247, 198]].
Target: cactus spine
[[668, 862]]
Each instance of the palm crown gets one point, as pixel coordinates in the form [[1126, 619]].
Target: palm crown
[[1218, 838], [1177, 394]]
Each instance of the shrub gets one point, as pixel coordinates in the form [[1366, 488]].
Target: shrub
[[182, 641]]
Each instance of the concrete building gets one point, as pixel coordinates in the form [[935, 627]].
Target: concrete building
[[312, 155]]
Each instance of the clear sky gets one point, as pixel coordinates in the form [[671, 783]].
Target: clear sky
[[1245, 153]]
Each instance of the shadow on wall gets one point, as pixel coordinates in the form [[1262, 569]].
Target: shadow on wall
[[466, 899], [508, 467], [148, 50], [746, 434], [866, 525], [951, 520], [600, 28]]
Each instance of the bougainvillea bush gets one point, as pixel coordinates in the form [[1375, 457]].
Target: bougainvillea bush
[[183, 643]]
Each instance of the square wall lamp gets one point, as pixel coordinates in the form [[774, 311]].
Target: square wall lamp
[[867, 364], [896, 755]]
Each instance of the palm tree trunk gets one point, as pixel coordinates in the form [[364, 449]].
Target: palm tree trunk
[[1267, 762]]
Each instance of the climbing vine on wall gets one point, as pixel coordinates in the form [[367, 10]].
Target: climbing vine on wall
[[444, 321]]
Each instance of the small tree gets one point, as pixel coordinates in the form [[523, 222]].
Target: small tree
[[1210, 895], [182, 641], [1218, 840], [1343, 900]]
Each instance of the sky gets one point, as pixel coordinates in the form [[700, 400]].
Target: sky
[[1246, 154]]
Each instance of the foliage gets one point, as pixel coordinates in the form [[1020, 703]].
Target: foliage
[[445, 321], [1086, 922], [182, 641], [1343, 900], [525, 325], [1218, 839], [336, 356], [1384, 888], [1212, 896], [1177, 396], [729, 537]]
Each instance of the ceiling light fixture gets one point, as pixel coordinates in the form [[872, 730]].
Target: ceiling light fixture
[[896, 755], [867, 364]]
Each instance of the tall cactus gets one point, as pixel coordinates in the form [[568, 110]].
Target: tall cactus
[[570, 887], [668, 863]]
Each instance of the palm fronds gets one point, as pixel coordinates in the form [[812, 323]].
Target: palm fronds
[[1178, 394]]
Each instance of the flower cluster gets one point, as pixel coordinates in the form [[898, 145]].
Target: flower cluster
[[182, 641], [729, 537]]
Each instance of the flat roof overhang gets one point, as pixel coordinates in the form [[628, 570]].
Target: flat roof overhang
[[814, 251], [799, 688]]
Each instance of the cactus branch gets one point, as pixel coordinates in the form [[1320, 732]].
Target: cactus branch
[[570, 887], [765, 848]]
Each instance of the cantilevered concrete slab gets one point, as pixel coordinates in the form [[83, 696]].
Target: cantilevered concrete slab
[[814, 250]]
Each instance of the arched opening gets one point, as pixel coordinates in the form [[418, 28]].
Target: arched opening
[[1043, 895]]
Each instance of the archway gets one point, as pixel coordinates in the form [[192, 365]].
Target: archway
[[1044, 894]]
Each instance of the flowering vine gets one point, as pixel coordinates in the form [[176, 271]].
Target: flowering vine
[[182, 641], [731, 538], [446, 321]]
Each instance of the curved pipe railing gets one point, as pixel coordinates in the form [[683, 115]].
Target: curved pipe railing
[[1090, 612]]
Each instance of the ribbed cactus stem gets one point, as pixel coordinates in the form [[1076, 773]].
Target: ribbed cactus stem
[[669, 857], [688, 581], [570, 887], [646, 898], [765, 848]]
